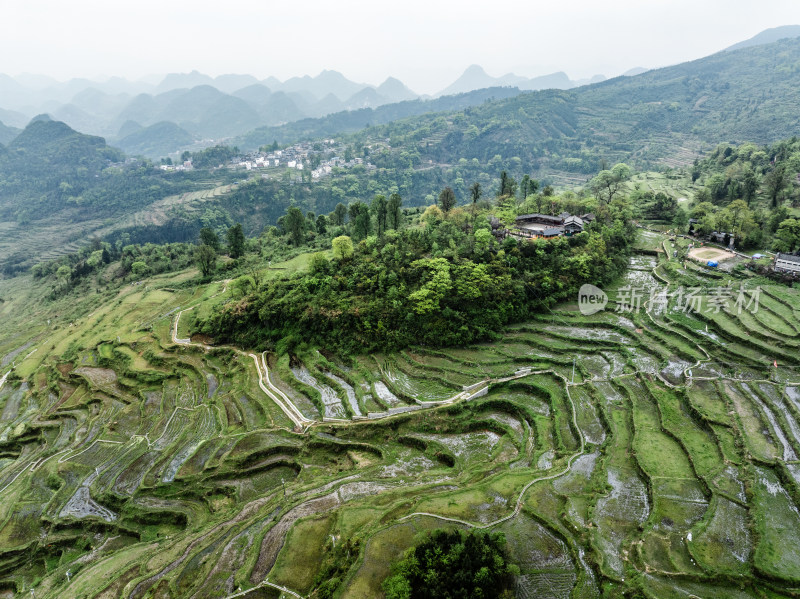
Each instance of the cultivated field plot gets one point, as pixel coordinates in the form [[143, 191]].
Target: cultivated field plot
[[626, 453], [704, 254]]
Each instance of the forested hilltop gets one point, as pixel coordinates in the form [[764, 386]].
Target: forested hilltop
[[751, 191], [442, 279]]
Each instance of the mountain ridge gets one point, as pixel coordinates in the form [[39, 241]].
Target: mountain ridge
[[767, 36]]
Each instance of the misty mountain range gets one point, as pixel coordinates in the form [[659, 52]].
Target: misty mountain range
[[184, 110], [162, 115]]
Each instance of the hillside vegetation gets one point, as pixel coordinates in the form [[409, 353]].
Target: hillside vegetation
[[58, 185]]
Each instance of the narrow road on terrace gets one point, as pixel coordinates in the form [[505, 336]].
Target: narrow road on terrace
[[278, 396]]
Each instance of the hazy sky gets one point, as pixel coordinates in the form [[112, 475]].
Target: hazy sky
[[426, 43]]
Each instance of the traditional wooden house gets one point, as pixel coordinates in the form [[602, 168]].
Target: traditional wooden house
[[551, 232], [547, 227], [573, 225]]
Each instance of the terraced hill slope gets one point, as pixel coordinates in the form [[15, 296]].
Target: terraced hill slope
[[627, 451]]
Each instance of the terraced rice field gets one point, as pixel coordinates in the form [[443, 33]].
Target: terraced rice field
[[620, 453]]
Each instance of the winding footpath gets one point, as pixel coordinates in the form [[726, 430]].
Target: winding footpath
[[278, 396], [521, 496]]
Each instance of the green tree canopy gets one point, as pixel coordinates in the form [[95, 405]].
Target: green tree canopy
[[775, 183], [295, 224], [139, 268], [206, 259], [447, 199], [451, 565], [787, 238], [342, 247], [235, 241], [608, 183], [209, 237]]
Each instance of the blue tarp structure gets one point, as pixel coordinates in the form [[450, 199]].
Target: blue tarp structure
[[712, 264]]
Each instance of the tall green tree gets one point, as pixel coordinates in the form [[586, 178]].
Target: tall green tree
[[209, 237], [360, 219], [380, 208], [447, 199], [508, 186], [393, 213], [737, 218], [236, 241], [206, 259], [775, 183], [339, 214], [322, 224], [749, 185], [503, 184], [523, 187], [295, 224], [608, 183], [475, 193]]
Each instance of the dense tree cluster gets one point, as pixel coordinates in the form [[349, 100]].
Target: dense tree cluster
[[453, 565], [211, 157], [750, 191], [123, 262]]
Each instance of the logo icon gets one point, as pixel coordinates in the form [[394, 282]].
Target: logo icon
[[591, 299]]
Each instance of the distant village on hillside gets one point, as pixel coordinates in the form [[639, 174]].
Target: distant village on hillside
[[320, 158]]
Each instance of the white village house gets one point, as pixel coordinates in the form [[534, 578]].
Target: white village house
[[787, 262]]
